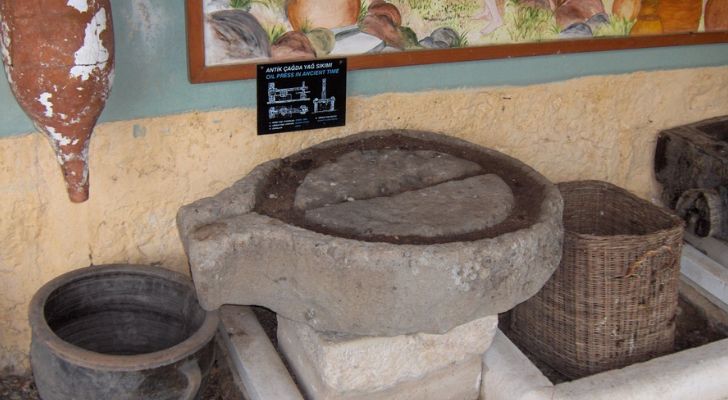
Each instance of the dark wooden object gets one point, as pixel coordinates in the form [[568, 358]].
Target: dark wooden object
[[691, 162], [200, 73]]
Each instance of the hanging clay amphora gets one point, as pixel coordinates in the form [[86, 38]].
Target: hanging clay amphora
[[59, 60]]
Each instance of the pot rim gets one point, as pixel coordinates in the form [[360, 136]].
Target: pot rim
[[90, 359]]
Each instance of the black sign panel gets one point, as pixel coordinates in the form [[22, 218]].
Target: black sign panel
[[301, 95]]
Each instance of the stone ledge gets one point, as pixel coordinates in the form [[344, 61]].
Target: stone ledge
[[255, 364]]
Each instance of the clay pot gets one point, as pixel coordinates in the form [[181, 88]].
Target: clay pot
[[322, 13], [61, 77], [679, 16], [627, 9], [122, 332], [716, 15]]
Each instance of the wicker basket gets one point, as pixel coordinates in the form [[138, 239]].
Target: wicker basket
[[612, 301]]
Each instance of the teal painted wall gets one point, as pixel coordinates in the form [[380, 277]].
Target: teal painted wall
[[151, 71]]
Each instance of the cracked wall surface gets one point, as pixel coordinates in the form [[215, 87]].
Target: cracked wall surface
[[142, 171]]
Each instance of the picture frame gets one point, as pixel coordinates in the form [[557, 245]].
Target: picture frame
[[201, 72]]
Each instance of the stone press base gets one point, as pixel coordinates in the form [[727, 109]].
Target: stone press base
[[331, 366]]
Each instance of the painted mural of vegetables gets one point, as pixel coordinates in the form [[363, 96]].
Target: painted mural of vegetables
[[384, 25], [308, 14], [716, 15]]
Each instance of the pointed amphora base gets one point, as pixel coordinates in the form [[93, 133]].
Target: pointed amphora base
[[74, 165]]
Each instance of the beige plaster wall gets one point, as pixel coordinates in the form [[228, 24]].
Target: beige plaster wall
[[142, 171]]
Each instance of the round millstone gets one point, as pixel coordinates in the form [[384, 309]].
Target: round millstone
[[373, 173], [450, 208]]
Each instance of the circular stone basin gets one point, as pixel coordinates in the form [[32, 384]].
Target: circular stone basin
[[380, 233]]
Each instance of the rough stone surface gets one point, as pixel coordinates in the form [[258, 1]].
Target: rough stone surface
[[598, 127], [457, 381], [449, 208], [373, 173], [366, 288], [347, 363]]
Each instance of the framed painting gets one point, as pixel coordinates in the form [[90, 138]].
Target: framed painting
[[228, 38]]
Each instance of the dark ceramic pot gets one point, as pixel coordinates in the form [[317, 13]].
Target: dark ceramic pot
[[120, 332]]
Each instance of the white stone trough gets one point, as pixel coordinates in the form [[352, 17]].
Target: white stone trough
[[697, 373]]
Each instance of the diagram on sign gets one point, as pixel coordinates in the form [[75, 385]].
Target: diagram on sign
[[324, 104], [287, 95], [286, 111]]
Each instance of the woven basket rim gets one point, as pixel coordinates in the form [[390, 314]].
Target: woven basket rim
[[676, 222]]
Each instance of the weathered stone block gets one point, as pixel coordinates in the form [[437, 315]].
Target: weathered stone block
[[455, 382], [351, 364], [420, 366]]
